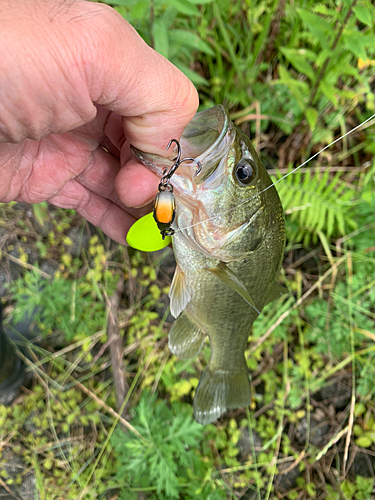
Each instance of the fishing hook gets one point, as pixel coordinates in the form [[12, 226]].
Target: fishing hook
[[164, 182], [165, 203]]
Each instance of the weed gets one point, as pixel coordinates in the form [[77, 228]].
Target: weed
[[166, 457], [295, 75], [58, 305]]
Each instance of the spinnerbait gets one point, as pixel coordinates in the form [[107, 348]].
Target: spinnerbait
[[165, 204]]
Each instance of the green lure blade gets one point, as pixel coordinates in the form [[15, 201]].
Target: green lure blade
[[144, 235]]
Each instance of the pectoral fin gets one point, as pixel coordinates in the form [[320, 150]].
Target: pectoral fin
[[229, 278], [179, 293]]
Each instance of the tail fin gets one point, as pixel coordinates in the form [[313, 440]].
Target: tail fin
[[185, 338], [219, 390]]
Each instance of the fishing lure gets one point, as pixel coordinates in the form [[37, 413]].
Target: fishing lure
[[165, 202], [144, 234]]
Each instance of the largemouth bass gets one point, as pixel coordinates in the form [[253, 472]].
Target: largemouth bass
[[229, 244]]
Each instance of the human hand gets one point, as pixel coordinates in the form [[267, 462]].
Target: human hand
[[76, 77]]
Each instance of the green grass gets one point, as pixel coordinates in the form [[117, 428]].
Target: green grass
[[294, 79]]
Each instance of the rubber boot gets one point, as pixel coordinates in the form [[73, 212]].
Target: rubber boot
[[12, 369]]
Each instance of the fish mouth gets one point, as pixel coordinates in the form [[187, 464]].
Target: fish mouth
[[204, 135], [206, 138]]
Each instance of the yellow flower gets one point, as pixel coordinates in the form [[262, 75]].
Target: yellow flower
[[365, 64]]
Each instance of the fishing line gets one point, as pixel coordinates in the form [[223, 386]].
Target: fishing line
[[279, 180]]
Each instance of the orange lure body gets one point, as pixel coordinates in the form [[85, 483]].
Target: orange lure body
[[164, 211]]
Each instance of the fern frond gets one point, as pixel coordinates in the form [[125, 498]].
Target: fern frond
[[318, 202]]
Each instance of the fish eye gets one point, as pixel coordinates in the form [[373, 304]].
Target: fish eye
[[245, 171]]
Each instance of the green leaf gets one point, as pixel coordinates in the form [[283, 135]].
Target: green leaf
[[70, 418], [161, 40], [323, 209], [298, 60], [125, 3], [184, 7], [368, 40], [311, 117], [363, 14], [298, 89], [357, 429], [162, 458], [181, 388], [191, 40], [330, 91], [48, 464], [354, 42], [318, 26], [322, 56], [40, 211], [364, 442], [200, 2], [192, 75], [139, 10]]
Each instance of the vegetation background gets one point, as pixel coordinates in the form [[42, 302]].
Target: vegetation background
[[295, 75]]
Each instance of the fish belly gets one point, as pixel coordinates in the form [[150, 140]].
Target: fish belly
[[216, 310], [227, 320]]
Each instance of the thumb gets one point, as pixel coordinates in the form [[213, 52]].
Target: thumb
[[156, 99]]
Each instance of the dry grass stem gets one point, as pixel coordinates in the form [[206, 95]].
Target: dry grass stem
[[110, 410], [115, 347], [297, 304], [26, 265], [334, 440]]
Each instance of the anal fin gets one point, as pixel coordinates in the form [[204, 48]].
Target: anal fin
[[219, 390], [185, 338]]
